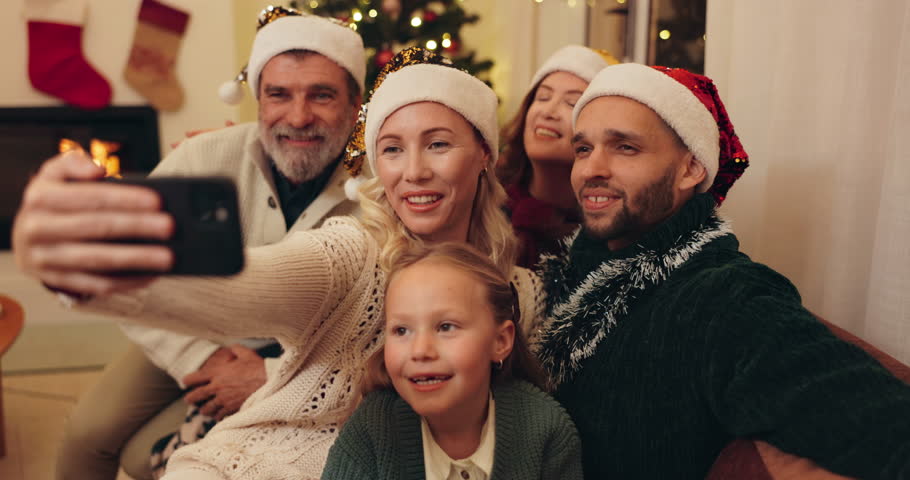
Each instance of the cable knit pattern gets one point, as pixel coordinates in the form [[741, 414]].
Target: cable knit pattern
[[534, 439], [236, 153], [320, 293], [531, 304]]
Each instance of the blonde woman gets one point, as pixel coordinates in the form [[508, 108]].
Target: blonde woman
[[431, 137]]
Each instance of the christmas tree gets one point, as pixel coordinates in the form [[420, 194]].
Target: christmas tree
[[681, 28], [388, 26]]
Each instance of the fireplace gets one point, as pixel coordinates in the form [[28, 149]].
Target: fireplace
[[28, 136]]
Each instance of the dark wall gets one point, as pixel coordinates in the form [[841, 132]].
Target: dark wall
[[29, 136]]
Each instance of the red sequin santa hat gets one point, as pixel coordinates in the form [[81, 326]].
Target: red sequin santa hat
[[690, 105]]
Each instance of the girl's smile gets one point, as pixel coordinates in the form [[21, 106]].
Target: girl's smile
[[441, 340]]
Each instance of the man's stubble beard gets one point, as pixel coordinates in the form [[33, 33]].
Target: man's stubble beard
[[300, 165], [653, 203]]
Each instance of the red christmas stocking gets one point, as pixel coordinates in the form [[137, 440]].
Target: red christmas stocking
[[55, 62]]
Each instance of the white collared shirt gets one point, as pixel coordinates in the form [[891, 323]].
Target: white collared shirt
[[439, 466]]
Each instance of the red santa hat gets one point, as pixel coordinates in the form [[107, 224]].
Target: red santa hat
[[690, 105]]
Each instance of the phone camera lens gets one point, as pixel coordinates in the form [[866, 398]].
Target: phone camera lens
[[221, 214]]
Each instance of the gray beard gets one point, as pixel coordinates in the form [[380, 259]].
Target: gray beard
[[300, 165], [653, 202]]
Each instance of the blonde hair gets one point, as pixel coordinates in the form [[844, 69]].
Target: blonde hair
[[500, 296], [489, 229]]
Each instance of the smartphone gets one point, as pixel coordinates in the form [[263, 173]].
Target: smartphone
[[208, 238]]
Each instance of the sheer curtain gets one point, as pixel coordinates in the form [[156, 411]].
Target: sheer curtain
[[819, 92]]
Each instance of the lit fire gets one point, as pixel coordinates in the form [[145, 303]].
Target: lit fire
[[101, 154]]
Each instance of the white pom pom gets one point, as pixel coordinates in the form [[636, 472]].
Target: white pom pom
[[231, 92], [352, 185]]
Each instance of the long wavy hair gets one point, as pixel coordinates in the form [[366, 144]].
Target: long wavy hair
[[500, 296], [489, 230], [514, 165]]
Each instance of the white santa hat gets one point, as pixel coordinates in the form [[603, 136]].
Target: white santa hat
[[578, 60], [458, 90], [291, 30]]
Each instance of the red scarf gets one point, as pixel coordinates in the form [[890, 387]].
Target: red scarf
[[538, 225]]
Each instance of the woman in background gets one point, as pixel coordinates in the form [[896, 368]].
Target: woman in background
[[537, 157]]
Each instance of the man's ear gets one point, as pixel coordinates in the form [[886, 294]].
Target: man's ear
[[505, 339], [693, 172]]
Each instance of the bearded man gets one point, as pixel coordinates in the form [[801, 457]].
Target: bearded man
[[664, 341], [307, 74]]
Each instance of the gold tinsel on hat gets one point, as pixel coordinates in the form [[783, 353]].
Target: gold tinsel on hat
[[270, 14], [356, 147]]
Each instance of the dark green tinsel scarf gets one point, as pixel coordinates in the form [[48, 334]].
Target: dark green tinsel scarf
[[583, 309]]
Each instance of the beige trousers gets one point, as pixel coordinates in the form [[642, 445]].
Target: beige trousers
[[118, 420]]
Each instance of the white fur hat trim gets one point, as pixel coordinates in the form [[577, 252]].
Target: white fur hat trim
[[460, 91], [307, 32], [352, 187], [671, 100], [575, 59]]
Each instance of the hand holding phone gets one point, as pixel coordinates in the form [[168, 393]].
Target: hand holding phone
[[207, 239], [67, 219]]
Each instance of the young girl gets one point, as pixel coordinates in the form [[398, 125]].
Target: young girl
[[462, 405]]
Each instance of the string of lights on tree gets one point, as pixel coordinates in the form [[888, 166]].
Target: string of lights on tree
[[388, 26]]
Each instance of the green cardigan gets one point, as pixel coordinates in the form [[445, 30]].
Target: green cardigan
[[382, 440], [668, 349]]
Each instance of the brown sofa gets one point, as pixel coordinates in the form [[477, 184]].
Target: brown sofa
[[745, 459]]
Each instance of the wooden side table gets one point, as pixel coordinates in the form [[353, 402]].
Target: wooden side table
[[11, 317]]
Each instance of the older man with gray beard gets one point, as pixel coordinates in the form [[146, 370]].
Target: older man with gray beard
[[307, 74]]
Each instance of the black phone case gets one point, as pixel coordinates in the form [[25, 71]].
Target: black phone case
[[208, 238]]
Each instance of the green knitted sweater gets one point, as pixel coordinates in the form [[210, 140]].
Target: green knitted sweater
[[668, 349], [382, 440]]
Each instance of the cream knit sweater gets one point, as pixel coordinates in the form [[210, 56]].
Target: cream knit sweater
[[320, 293], [233, 152]]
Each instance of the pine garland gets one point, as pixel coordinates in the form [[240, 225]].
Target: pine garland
[[579, 317]]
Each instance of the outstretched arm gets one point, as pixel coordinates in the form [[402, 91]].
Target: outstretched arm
[[287, 290], [779, 375]]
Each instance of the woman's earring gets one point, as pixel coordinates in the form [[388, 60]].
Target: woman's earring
[[500, 364]]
